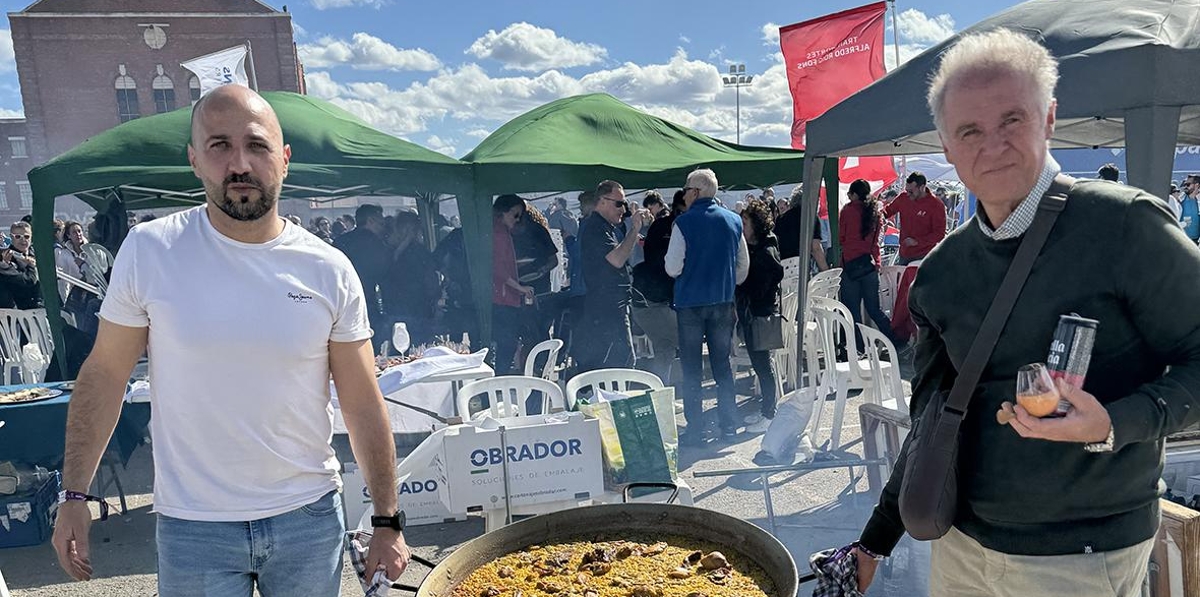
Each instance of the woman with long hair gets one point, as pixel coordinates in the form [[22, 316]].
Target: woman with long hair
[[508, 294], [758, 296], [537, 256], [861, 225]]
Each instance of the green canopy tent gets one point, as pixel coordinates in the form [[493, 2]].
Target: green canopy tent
[[576, 142], [143, 163]]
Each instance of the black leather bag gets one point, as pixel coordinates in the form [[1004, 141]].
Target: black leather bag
[[929, 491], [765, 333]]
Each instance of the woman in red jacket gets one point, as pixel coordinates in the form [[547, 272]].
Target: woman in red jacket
[[858, 230]]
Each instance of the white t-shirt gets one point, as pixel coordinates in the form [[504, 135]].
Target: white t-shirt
[[239, 362]]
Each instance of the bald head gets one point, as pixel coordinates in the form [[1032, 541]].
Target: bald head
[[237, 151], [235, 98]]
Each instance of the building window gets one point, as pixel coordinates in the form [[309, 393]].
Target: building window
[[164, 92], [18, 147], [127, 101], [194, 88], [26, 194], [3, 196]]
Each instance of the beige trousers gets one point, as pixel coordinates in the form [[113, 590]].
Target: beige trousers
[[961, 567]]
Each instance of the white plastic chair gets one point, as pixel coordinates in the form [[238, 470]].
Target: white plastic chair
[[18, 328], [508, 395], [791, 271], [837, 377], [889, 283], [549, 348], [97, 260], [888, 389], [611, 380]]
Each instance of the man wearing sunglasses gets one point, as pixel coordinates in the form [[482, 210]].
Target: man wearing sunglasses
[[603, 339], [18, 271]]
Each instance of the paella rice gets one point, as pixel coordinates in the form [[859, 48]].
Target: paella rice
[[673, 567]]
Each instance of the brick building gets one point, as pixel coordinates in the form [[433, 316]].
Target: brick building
[[86, 66]]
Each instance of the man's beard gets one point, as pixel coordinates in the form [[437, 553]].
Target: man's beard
[[240, 206]]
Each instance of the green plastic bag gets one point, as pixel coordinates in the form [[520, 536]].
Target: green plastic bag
[[637, 435]]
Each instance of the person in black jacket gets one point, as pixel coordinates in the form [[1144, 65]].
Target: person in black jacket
[[758, 296], [18, 271], [654, 290], [410, 288]]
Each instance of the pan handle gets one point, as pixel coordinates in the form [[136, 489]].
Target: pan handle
[[422, 561], [673, 487]]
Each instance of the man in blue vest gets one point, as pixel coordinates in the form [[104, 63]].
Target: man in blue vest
[[1189, 216], [707, 257]]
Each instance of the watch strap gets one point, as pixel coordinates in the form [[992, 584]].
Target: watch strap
[[395, 521]]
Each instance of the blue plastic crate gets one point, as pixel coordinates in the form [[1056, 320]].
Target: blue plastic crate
[[29, 519]]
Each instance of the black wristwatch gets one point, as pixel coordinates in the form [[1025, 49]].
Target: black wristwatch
[[395, 521]]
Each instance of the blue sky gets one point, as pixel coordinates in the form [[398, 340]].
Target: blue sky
[[445, 74]]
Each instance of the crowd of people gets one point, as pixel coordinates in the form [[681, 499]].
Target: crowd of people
[[689, 275]]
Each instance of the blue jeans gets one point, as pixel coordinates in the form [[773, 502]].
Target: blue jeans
[[294, 554], [712, 324]]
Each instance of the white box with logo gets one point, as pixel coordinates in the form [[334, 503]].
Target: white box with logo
[[419, 497], [551, 458]]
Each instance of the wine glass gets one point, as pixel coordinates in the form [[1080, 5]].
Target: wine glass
[[400, 339], [1036, 391]]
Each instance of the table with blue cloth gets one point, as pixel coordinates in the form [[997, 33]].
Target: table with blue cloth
[[35, 432]]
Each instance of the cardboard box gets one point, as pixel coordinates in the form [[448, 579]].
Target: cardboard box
[[28, 519], [551, 458], [418, 497], [1175, 560]]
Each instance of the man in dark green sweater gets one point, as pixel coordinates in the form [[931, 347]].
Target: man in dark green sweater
[[1064, 506]]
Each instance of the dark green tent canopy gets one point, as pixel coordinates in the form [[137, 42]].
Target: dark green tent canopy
[[143, 163], [574, 143]]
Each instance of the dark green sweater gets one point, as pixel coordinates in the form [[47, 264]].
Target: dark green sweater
[[1116, 254]]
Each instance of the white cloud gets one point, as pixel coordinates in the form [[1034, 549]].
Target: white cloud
[[320, 84], [441, 145], [919, 28], [7, 113], [365, 52], [326, 4], [298, 31], [8, 59], [679, 80], [683, 39], [464, 103], [522, 46], [770, 34], [918, 32]]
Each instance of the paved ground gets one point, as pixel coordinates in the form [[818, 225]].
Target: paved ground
[[814, 510]]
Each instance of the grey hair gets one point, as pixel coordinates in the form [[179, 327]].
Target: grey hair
[[997, 52], [705, 180]]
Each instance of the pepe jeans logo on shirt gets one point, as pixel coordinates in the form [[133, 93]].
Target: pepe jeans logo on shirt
[[299, 297]]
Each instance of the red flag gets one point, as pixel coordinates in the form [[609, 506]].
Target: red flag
[[830, 58]]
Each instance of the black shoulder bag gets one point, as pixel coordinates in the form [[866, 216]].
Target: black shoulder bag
[[929, 492]]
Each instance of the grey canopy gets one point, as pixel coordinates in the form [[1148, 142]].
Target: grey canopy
[[1128, 78]]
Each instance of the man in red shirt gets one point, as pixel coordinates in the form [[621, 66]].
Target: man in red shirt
[[922, 219]]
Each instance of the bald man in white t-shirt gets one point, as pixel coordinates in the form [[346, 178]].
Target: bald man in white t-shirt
[[246, 316]]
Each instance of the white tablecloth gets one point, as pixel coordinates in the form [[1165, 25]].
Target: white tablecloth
[[428, 383]]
